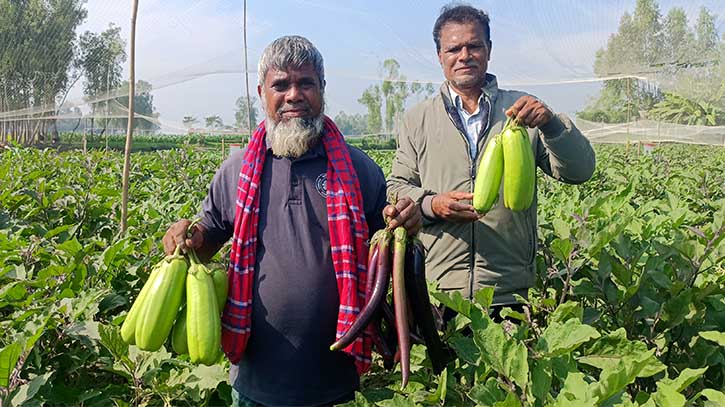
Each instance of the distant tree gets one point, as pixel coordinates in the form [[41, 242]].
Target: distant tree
[[679, 61], [678, 40], [386, 101], [240, 113], [706, 39], [143, 105], [351, 124], [37, 49], [101, 58], [371, 99], [189, 121], [213, 122]]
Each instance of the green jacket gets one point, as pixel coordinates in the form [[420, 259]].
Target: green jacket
[[433, 156]]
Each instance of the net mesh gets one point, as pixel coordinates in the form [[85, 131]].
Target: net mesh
[[625, 71]]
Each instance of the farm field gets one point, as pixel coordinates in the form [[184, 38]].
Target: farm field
[[629, 307]]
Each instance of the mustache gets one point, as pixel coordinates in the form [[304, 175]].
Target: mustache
[[288, 107]]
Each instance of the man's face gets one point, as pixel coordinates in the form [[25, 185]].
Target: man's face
[[293, 103], [464, 54], [294, 93]]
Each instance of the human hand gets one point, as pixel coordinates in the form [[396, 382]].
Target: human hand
[[404, 213], [530, 112], [447, 206], [176, 235]]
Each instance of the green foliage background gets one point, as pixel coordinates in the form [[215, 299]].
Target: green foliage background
[[629, 308]]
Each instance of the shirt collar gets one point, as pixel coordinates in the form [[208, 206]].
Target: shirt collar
[[457, 101]]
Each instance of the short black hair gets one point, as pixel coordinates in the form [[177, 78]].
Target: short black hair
[[460, 13]]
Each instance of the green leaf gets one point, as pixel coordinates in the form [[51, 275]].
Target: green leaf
[[667, 396], [561, 248], [714, 336], [70, 247], [9, 356], [575, 392], [608, 351], [615, 379], [677, 308], [511, 401], [359, 401], [541, 375], [566, 311], [686, 378], [442, 390], [55, 232], [561, 228], [714, 396], [559, 339], [484, 297], [28, 390], [454, 301], [487, 394], [507, 356], [111, 339], [465, 348], [397, 401]]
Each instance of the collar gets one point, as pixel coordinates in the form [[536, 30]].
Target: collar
[[457, 101], [490, 89]]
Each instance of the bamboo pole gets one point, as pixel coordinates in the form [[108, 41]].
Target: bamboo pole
[[246, 74], [129, 128]]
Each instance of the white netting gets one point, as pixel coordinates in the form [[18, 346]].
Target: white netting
[[605, 61]]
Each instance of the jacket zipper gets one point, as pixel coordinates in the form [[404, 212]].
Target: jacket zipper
[[472, 176]]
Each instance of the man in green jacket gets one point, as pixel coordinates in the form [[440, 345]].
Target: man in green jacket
[[440, 143]]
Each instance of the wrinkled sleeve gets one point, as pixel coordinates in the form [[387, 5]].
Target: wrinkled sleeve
[[404, 178]]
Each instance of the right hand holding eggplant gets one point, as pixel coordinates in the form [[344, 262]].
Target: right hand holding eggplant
[[178, 235], [448, 206]]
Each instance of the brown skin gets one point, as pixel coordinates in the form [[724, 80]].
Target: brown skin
[[530, 112], [464, 55], [287, 94], [291, 93]]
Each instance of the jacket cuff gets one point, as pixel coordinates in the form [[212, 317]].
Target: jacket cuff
[[426, 207], [553, 128]]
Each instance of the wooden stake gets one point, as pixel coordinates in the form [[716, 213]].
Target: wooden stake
[[129, 129]]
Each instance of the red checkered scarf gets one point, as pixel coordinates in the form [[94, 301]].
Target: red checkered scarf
[[348, 233]]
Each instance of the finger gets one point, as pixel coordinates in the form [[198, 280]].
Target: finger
[[526, 115], [402, 217], [390, 211], [544, 117], [461, 207], [463, 217], [195, 241], [538, 120], [458, 195]]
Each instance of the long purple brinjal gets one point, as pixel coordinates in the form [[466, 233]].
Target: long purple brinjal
[[379, 292], [419, 300]]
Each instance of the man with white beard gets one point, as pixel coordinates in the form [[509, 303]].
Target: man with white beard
[[300, 205]]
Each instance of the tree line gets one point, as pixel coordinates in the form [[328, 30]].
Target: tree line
[[42, 57], [684, 64]]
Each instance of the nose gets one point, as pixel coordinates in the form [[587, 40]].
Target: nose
[[464, 54], [294, 94]]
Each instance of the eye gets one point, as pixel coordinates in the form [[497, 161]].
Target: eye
[[279, 86]]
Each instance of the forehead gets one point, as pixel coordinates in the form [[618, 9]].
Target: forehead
[[455, 31], [305, 71]]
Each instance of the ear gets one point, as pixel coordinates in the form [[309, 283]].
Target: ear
[[490, 45], [259, 91]]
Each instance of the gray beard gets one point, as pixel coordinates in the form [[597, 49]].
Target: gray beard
[[293, 137]]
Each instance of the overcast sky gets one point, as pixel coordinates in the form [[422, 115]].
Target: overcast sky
[[192, 50]]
